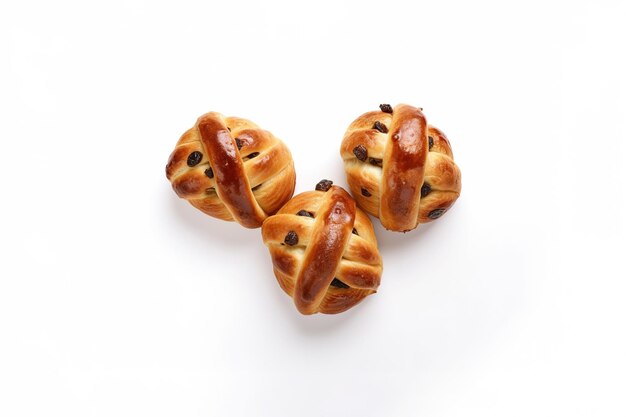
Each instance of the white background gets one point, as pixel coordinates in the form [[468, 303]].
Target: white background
[[119, 299]]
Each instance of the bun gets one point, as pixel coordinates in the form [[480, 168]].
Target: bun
[[229, 168], [399, 168], [324, 250]]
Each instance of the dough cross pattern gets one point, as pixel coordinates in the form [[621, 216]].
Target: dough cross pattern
[[335, 263], [229, 168], [399, 168]]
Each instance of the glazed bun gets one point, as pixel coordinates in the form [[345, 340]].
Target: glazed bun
[[231, 169], [324, 250], [399, 168]]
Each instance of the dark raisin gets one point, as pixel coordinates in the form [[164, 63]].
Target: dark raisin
[[338, 284], [323, 185], [365, 192], [228, 128], [257, 187], [377, 162], [426, 189], [431, 142], [194, 158], [253, 155], [386, 108], [360, 152], [304, 213], [239, 143], [354, 232], [436, 213], [291, 238], [209, 172], [380, 127]]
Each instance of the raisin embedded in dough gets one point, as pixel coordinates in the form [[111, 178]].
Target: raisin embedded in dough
[[386, 108], [291, 238], [304, 213], [380, 127], [323, 185], [436, 213], [338, 284], [194, 158], [360, 152]]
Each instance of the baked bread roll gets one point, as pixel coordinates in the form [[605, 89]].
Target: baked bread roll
[[231, 169], [323, 250], [399, 168]]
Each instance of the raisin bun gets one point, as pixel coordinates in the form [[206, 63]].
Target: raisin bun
[[231, 169], [323, 250], [399, 168]]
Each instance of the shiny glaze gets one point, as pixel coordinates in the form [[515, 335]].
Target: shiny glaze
[[394, 192], [270, 175], [231, 182], [326, 249], [403, 169], [331, 236]]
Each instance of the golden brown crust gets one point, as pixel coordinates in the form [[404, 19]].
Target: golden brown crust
[[403, 168], [337, 242], [231, 182], [243, 173], [393, 174]]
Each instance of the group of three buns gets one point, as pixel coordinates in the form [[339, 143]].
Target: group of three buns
[[324, 252]]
